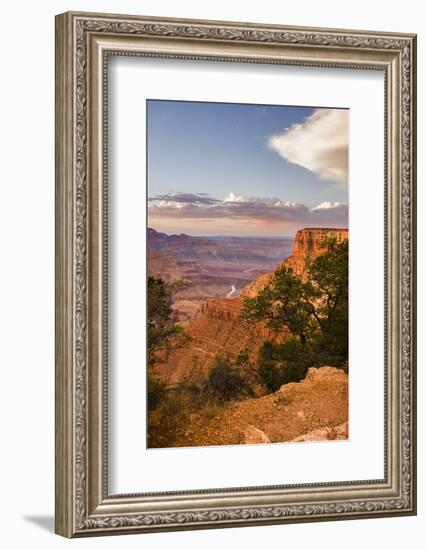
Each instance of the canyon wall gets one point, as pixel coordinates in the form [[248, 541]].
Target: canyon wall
[[216, 330]]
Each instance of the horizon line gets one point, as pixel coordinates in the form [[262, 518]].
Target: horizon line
[[249, 236]]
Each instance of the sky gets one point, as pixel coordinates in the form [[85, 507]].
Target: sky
[[249, 170]]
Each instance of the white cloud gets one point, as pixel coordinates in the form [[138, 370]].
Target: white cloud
[[326, 205], [233, 197], [251, 209], [319, 144]]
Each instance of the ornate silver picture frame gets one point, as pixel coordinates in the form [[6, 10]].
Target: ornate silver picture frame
[[84, 42]]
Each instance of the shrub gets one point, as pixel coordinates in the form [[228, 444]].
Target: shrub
[[156, 392], [225, 383], [166, 421], [209, 410], [170, 407]]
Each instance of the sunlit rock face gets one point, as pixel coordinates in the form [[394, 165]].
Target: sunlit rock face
[[308, 244]]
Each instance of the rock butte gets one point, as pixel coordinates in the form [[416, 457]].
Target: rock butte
[[307, 246]]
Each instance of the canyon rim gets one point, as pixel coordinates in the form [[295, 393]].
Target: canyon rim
[[247, 274]]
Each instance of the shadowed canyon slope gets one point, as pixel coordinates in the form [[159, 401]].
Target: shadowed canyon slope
[[216, 327], [314, 409]]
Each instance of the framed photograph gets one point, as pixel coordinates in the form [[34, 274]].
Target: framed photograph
[[235, 274]]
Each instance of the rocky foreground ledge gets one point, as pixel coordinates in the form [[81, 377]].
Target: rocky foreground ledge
[[314, 409]]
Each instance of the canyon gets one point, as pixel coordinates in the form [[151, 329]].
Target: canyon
[[212, 267], [313, 409], [216, 328]]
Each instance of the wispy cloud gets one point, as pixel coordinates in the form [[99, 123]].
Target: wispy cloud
[[191, 198], [335, 209], [319, 144]]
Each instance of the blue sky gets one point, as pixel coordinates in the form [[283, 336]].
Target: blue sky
[[240, 154]]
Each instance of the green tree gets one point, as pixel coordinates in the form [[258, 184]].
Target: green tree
[[309, 316], [329, 273], [163, 334], [285, 305], [280, 364]]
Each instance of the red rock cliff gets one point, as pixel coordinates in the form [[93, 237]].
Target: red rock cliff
[[216, 330], [308, 245]]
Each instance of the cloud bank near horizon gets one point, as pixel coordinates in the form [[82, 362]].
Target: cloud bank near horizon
[[319, 144], [242, 214]]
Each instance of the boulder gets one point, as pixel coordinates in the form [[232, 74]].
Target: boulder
[[328, 374], [254, 435], [324, 434]]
